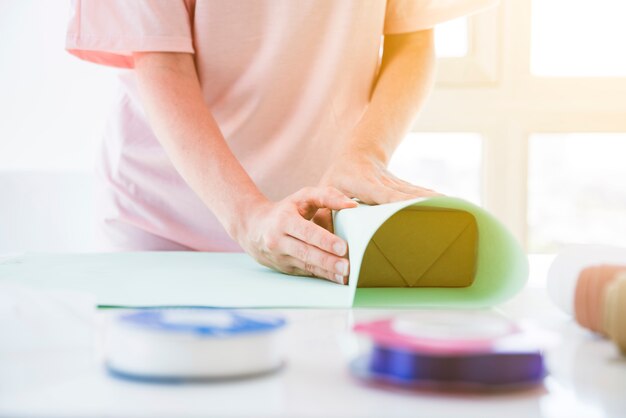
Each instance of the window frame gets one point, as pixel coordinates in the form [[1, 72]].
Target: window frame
[[492, 92]]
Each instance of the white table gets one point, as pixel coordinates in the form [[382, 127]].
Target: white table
[[587, 377]]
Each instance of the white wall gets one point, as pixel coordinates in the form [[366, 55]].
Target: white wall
[[46, 212], [52, 106], [52, 110]]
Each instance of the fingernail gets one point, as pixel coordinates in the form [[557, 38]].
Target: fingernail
[[339, 278], [342, 267], [339, 248]]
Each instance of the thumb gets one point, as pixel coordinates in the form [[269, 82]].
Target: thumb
[[324, 218], [310, 199]]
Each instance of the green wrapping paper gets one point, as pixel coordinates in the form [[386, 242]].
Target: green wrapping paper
[[501, 266], [432, 252]]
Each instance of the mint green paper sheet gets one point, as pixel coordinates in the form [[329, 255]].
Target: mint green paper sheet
[[502, 266], [144, 279]]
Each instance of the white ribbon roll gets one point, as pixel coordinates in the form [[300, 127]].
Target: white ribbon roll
[[195, 343]]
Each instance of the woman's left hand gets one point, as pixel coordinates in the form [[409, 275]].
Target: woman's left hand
[[367, 179]]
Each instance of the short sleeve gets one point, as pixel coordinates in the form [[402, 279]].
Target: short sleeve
[[414, 15], [109, 31]]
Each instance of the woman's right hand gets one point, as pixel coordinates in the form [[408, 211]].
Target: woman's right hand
[[282, 236]]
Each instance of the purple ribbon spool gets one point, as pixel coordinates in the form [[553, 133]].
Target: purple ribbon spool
[[483, 369]]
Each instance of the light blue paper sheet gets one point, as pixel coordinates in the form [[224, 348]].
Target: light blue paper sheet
[[235, 280]]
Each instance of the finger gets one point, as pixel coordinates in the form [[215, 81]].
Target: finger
[[378, 194], [415, 191], [312, 259], [407, 185], [310, 233], [299, 268], [309, 199], [390, 180], [324, 218]]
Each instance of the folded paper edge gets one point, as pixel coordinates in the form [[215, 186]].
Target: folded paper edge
[[343, 227]]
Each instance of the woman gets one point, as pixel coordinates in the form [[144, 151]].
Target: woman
[[244, 123]]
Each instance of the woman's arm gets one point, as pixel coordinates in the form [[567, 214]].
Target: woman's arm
[[277, 234], [405, 79]]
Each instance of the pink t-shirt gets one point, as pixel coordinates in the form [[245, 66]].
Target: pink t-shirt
[[286, 80]]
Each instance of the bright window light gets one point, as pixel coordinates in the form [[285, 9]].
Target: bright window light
[[451, 38], [576, 190], [449, 163], [580, 38]]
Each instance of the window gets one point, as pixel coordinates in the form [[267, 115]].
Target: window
[[588, 39], [543, 82], [468, 49], [451, 38], [576, 190], [426, 160]]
